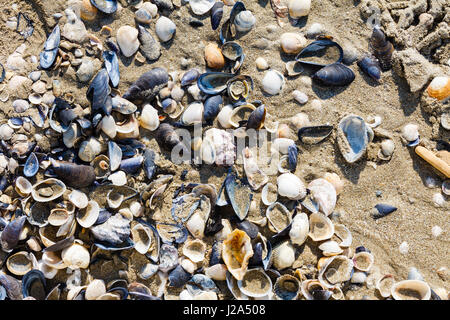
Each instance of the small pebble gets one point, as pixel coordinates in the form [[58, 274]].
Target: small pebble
[[316, 105], [350, 53], [300, 97], [314, 30], [261, 63], [404, 247], [35, 75], [436, 231], [184, 63], [438, 200], [306, 81], [378, 193]]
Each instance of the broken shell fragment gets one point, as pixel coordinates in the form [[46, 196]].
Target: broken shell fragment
[[237, 251], [384, 285], [195, 250], [88, 216], [337, 269], [324, 194]]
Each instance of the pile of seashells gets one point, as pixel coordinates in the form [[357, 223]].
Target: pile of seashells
[[64, 211]]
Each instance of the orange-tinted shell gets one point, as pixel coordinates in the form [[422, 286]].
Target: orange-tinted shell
[[87, 11], [214, 57], [237, 251], [439, 88]]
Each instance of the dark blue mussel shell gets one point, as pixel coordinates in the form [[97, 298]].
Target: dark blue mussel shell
[[240, 195], [99, 91], [216, 14], [105, 6], [31, 165], [127, 244], [211, 108], [382, 210], [33, 285], [214, 83], [48, 56], [370, 66], [315, 134], [190, 77], [112, 66], [226, 33], [131, 165], [292, 157], [335, 74], [178, 277], [318, 48], [149, 163], [148, 85]]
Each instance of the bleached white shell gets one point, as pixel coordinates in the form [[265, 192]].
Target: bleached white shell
[[127, 39], [76, 256], [320, 227], [256, 178], [283, 255], [23, 186], [290, 186], [261, 63], [336, 270], [195, 250], [193, 113], [411, 290], [49, 272], [108, 126], [256, 283], [71, 135], [336, 181], [330, 248], [410, 132], [149, 118], [89, 149], [299, 229], [324, 194], [95, 289], [118, 178], [273, 82], [200, 7], [363, 261], [224, 116], [344, 235], [279, 217], [359, 277], [299, 8], [292, 43], [244, 21], [165, 28], [196, 225], [142, 238], [281, 145], [217, 272], [89, 215], [269, 194]]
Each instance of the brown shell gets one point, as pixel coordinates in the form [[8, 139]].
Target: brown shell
[[382, 48]]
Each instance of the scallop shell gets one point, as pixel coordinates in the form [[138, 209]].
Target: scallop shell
[[279, 217], [287, 287], [320, 227], [337, 269], [299, 229], [89, 215], [283, 255], [324, 194], [290, 186], [255, 283], [237, 251], [48, 190], [384, 285], [76, 256], [256, 178], [195, 250], [363, 261], [411, 290]]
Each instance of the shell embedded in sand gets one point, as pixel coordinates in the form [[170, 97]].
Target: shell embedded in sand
[[127, 39], [292, 43], [87, 11], [299, 8]]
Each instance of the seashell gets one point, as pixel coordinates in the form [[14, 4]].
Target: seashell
[[35, 98], [313, 290], [241, 113], [195, 250], [168, 258], [353, 137], [112, 65], [320, 53], [387, 149], [148, 85], [189, 77], [324, 194], [127, 39], [283, 255], [143, 16], [108, 126], [370, 66], [31, 165], [224, 116], [211, 107], [165, 29], [299, 229], [128, 129], [95, 289], [320, 227], [244, 21], [292, 43], [115, 230], [382, 210], [213, 82], [410, 133], [273, 82], [79, 199], [48, 190], [216, 14], [58, 216], [363, 261], [149, 118], [269, 194], [439, 88], [21, 262], [336, 181], [105, 6], [214, 57], [150, 48], [381, 48], [239, 194], [178, 277], [51, 46], [256, 118], [335, 74], [193, 114], [384, 285], [98, 92], [255, 283], [287, 287], [239, 87], [89, 215], [200, 7], [75, 175], [330, 248], [10, 235], [411, 290], [336, 270], [279, 217], [33, 285], [142, 238], [290, 186], [217, 272], [171, 233], [87, 11], [344, 235], [299, 8], [148, 270], [76, 256], [256, 178], [236, 253], [261, 63]]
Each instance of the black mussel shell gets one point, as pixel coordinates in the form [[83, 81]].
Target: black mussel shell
[[131, 165], [370, 66], [167, 137], [127, 244], [240, 195], [319, 48], [33, 285], [150, 48], [121, 291], [382, 210], [66, 116], [3, 75], [112, 67], [249, 228], [216, 14], [216, 253], [74, 175], [195, 23], [381, 48], [204, 282], [149, 163], [11, 234], [170, 233], [256, 118], [103, 216], [31, 165], [335, 74], [12, 287], [213, 224], [189, 77], [105, 6], [178, 277], [314, 134], [211, 108], [292, 157], [213, 82], [148, 85], [361, 249], [183, 208], [321, 294], [48, 56], [60, 245], [98, 92], [222, 197]]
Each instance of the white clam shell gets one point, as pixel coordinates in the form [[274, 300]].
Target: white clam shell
[[108, 126], [292, 43], [118, 178], [21, 262], [324, 194], [224, 116], [363, 261], [269, 194], [410, 132], [273, 82], [165, 29], [299, 8], [411, 290], [196, 225], [320, 227], [49, 272], [58, 217], [142, 238], [256, 178], [76, 256], [330, 248], [89, 215], [195, 250], [384, 285], [279, 217], [95, 289], [149, 118], [89, 149], [193, 113], [281, 145], [300, 97], [244, 21], [336, 270], [255, 283], [283, 256], [261, 63], [299, 229], [217, 272], [127, 39], [200, 7], [344, 235], [290, 186]]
